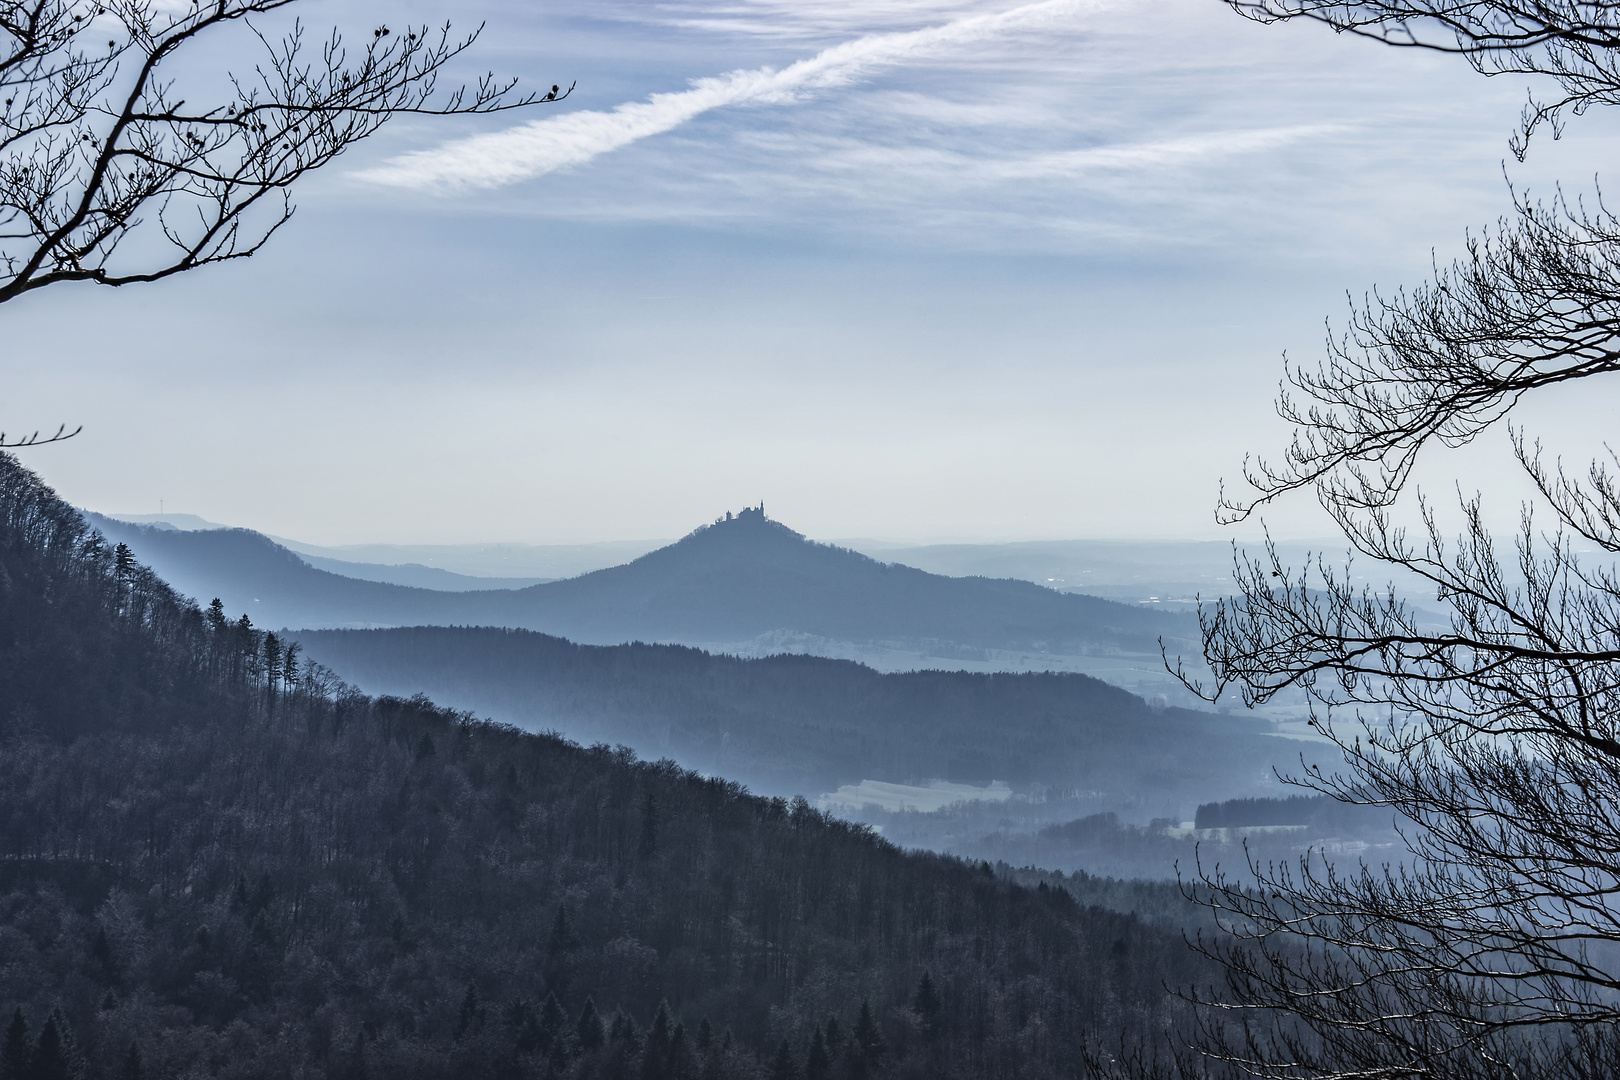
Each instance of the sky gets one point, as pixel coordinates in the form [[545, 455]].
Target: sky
[[916, 270]]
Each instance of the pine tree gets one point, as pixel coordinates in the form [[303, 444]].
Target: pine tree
[[133, 1068], [525, 1025], [625, 1031], [678, 1054], [562, 934], [101, 953], [869, 1044], [591, 1035], [926, 1003], [553, 1025], [785, 1067], [289, 664], [471, 1020], [655, 1058], [358, 1067], [263, 893], [15, 1050], [56, 1054], [835, 1037], [123, 564], [272, 662], [818, 1066]]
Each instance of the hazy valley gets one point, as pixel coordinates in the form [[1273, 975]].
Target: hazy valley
[[951, 713]]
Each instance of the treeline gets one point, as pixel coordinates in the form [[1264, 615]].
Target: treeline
[[1320, 815], [216, 862], [809, 724], [1238, 813]]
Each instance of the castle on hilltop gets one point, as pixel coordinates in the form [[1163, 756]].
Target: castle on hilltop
[[744, 513]]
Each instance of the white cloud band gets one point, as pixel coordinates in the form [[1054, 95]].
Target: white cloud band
[[543, 146]]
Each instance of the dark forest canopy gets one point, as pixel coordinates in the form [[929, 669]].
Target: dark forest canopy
[[215, 859], [804, 724]]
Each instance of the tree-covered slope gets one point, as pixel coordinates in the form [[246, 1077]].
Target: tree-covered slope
[[802, 724], [214, 863]]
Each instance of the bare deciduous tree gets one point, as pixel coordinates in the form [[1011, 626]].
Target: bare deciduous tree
[[1573, 41], [111, 172], [1493, 950]]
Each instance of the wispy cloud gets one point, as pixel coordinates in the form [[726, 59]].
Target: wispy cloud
[[908, 165], [543, 146]]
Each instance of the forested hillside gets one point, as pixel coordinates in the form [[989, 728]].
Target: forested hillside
[[803, 724], [215, 860]]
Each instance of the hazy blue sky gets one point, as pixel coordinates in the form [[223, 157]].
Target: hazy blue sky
[[908, 269]]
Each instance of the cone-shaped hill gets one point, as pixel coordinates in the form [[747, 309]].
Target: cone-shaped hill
[[743, 583]]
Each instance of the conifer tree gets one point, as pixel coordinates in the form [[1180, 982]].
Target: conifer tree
[[835, 1037], [133, 1067], [239, 895], [679, 1054], [561, 934], [471, 1019], [56, 1053], [591, 1035], [553, 1025], [101, 953], [818, 1065], [784, 1068], [217, 622], [625, 1032], [289, 664], [272, 662], [17, 1048], [655, 1057], [926, 1003], [520, 1017], [869, 1044]]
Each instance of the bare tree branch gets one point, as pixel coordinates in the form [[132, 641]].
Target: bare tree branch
[[111, 174], [1491, 732], [100, 147], [1573, 42]]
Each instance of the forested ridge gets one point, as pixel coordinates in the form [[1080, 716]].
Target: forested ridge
[[217, 860], [809, 724]]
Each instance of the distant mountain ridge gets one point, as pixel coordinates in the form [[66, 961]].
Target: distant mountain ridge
[[730, 584]]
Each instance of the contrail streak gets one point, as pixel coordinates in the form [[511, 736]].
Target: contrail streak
[[542, 146]]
